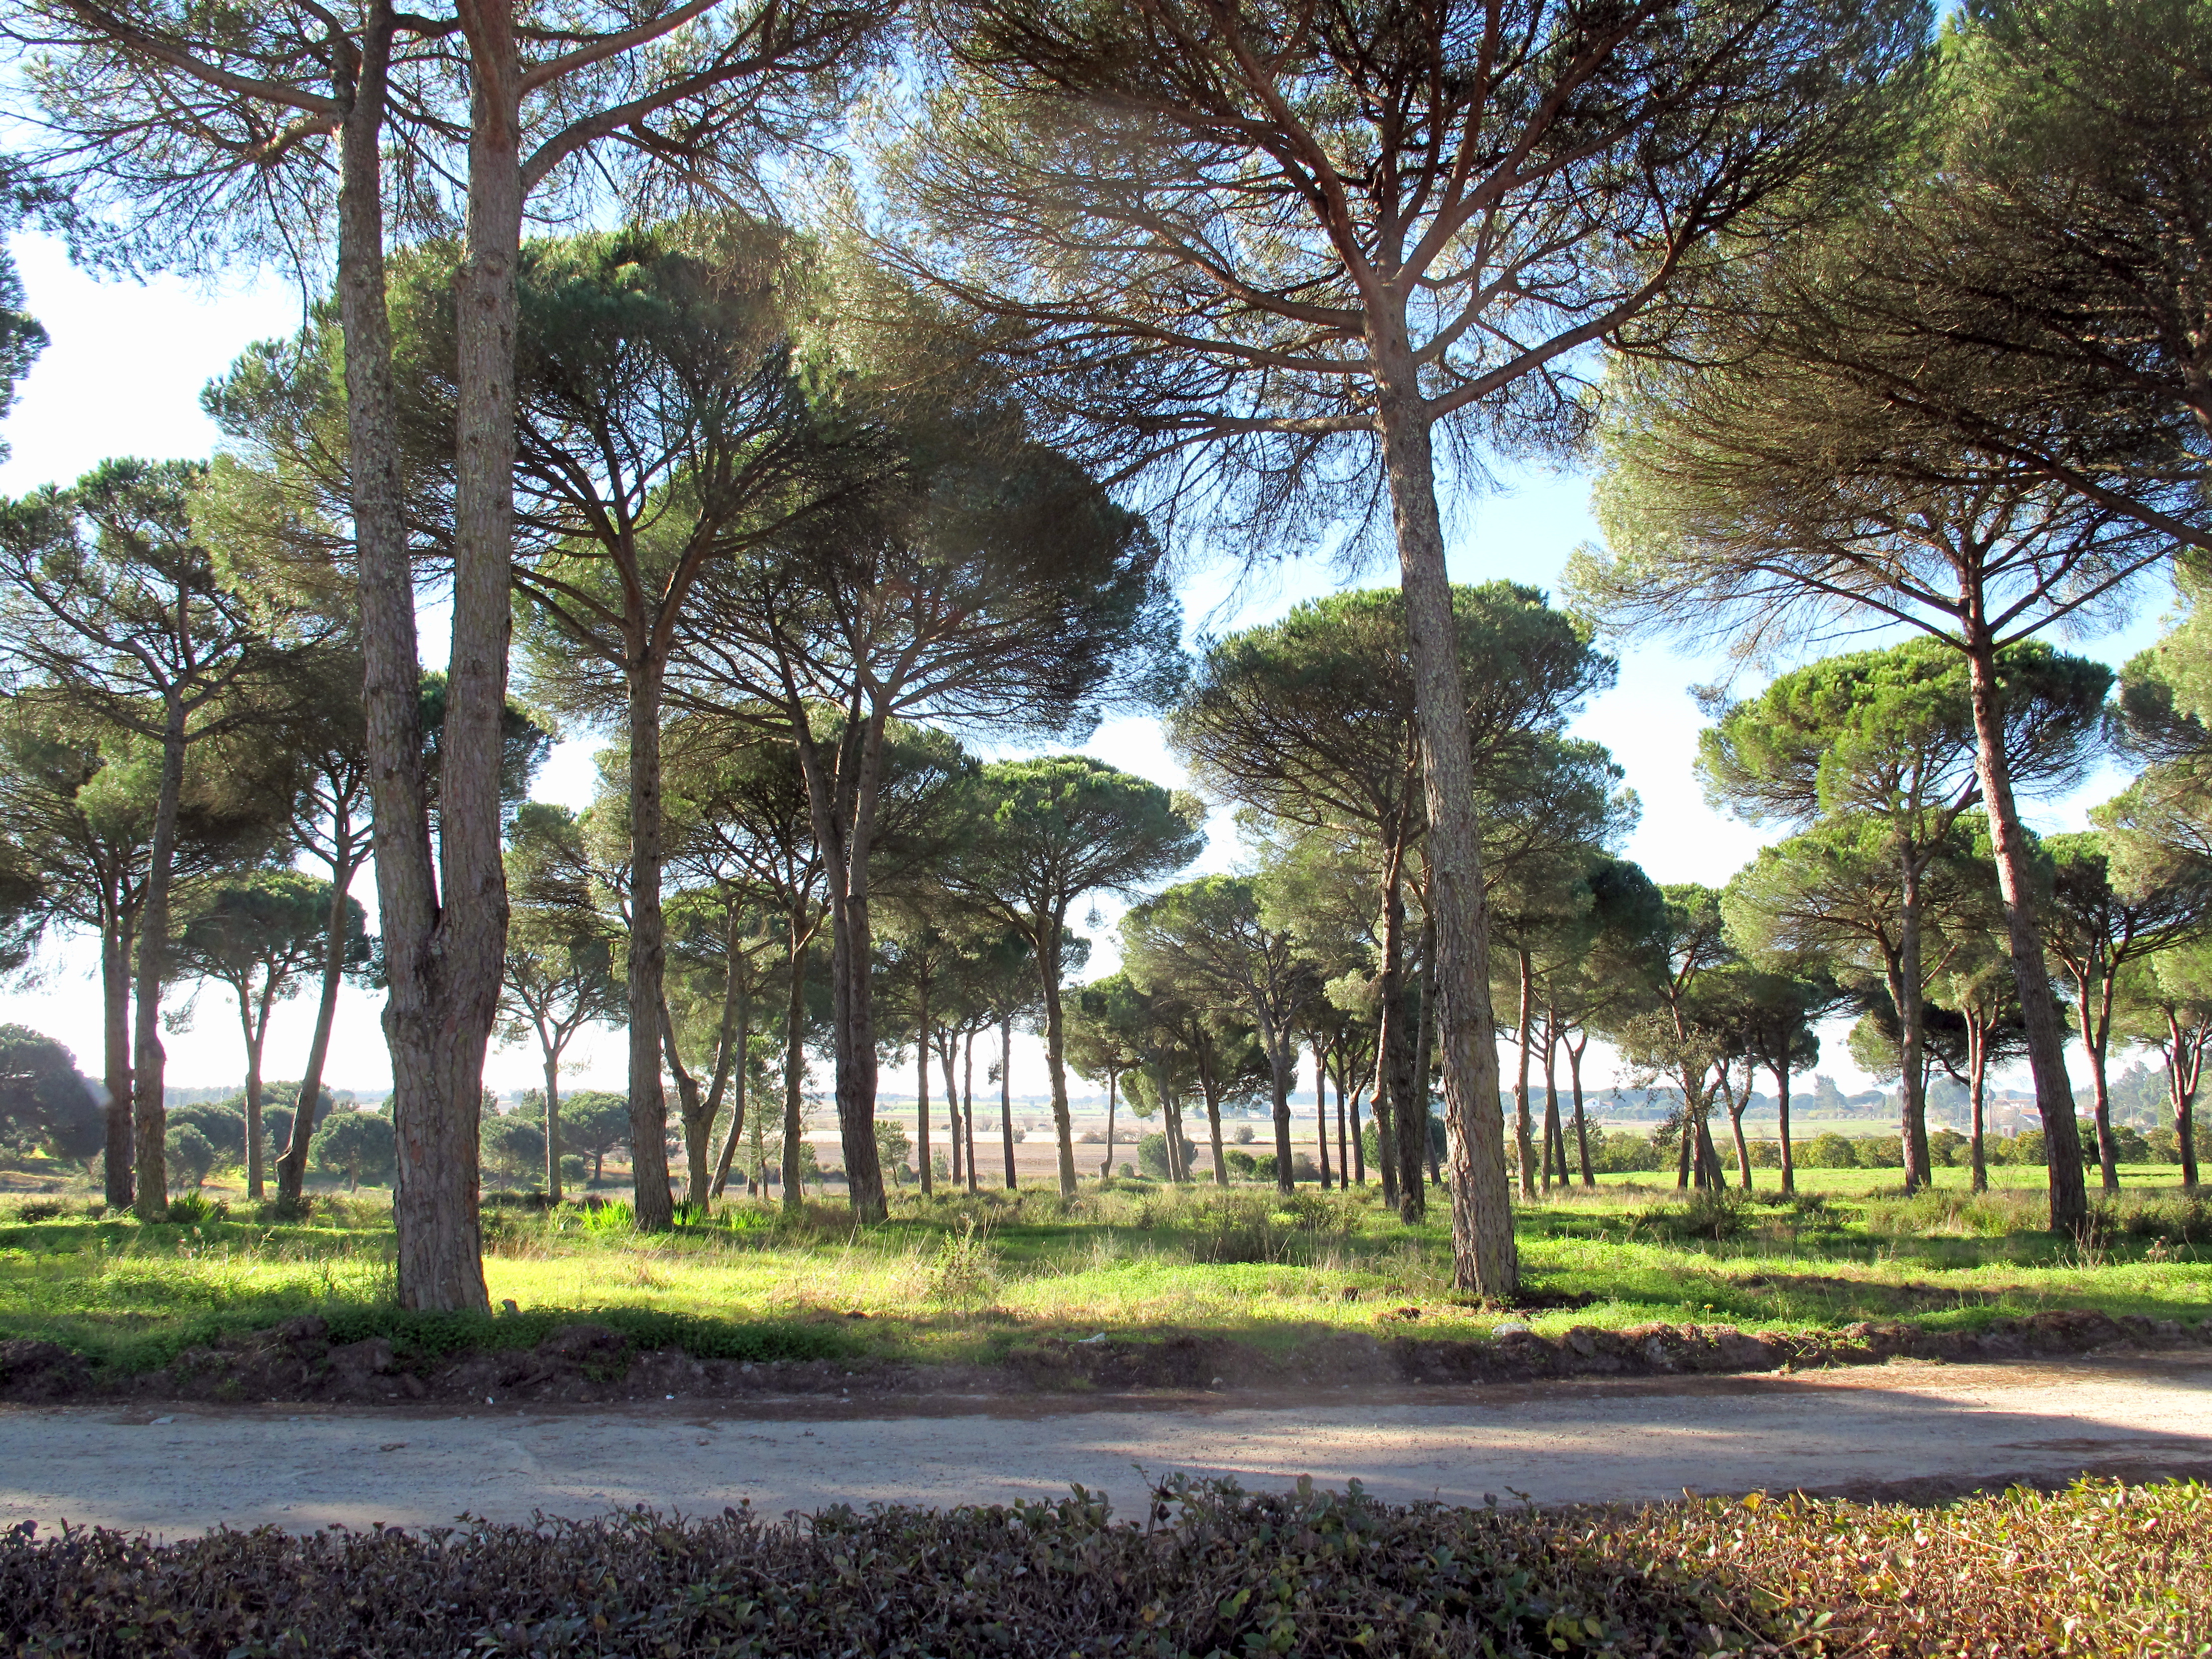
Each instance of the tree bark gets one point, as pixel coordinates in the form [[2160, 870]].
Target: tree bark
[[2185, 1068], [2054, 1095], [652, 1208], [551, 1051], [2096, 1039], [1555, 1139], [118, 1167], [1524, 1149], [1344, 1152], [1213, 1128], [1485, 1259], [1393, 1089], [1912, 1081], [1582, 1124], [968, 1110], [256, 1034], [948, 1045], [1278, 1045], [1414, 1121], [694, 1112], [921, 1098], [148, 1106], [1782, 1123], [1106, 1169], [1977, 1073], [1048, 945], [1006, 1093], [794, 1064], [1320, 1112]]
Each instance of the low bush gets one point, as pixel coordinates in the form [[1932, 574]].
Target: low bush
[[1211, 1570]]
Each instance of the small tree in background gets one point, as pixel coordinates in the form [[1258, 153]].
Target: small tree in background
[[260, 935]]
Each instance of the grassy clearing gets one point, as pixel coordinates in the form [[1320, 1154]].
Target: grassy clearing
[[966, 1279], [2101, 1569]]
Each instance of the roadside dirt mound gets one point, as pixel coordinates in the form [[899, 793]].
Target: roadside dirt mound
[[586, 1363]]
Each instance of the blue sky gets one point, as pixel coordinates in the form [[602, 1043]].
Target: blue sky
[[122, 376]]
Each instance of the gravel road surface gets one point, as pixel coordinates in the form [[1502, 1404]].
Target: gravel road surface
[[1905, 1428]]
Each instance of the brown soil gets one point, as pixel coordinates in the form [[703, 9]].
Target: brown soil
[[586, 1363]]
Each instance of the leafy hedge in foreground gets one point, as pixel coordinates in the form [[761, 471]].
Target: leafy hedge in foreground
[[2101, 1569]]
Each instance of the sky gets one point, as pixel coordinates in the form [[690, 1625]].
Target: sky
[[122, 376]]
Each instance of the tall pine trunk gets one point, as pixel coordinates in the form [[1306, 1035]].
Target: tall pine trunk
[[1394, 1086], [1006, 1092], [1977, 1073], [1582, 1123], [149, 1107], [1106, 1169], [2096, 1042], [652, 1209], [2046, 1058], [256, 1034], [552, 1053], [116, 1165], [1485, 1259], [794, 1062], [967, 1108], [1055, 1035], [1912, 1081], [2184, 1068], [1321, 1111], [1781, 1125]]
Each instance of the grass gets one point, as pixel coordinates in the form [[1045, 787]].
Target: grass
[[967, 1278]]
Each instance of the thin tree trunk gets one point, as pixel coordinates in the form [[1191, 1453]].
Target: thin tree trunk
[[652, 1209], [1555, 1139], [1345, 1156], [1907, 991], [795, 1065], [967, 1108], [1485, 1259], [1977, 1073], [148, 1107], [1063, 1125], [1414, 1121], [1358, 1141], [1781, 1125], [1213, 1126], [1279, 1062], [694, 1115], [2096, 1038], [2054, 1096], [1582, 1124], [1524, 1148], [254, 1037], [1106, 1169], [2185, 1070], [948, 1046], [551, 1050], [921, 1099], [1006, 1093], [743, 1055], [116, 1165], [292, 1167], [1394, 1088], [1320, 1112]]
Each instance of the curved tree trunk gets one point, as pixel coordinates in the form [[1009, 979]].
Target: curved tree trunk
[[2046, 1058], [1485, 1259]]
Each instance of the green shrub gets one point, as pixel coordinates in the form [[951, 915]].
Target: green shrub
[[1241, 1164], [190, 1154], [1209, 1569], [1828, 1151]]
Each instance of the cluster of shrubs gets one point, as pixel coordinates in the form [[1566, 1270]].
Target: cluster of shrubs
[[1210, 1570]]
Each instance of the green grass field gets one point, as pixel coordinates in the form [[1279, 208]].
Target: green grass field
[[966, 1279]]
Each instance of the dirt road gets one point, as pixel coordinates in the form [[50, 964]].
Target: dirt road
[[1914, 1429]]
